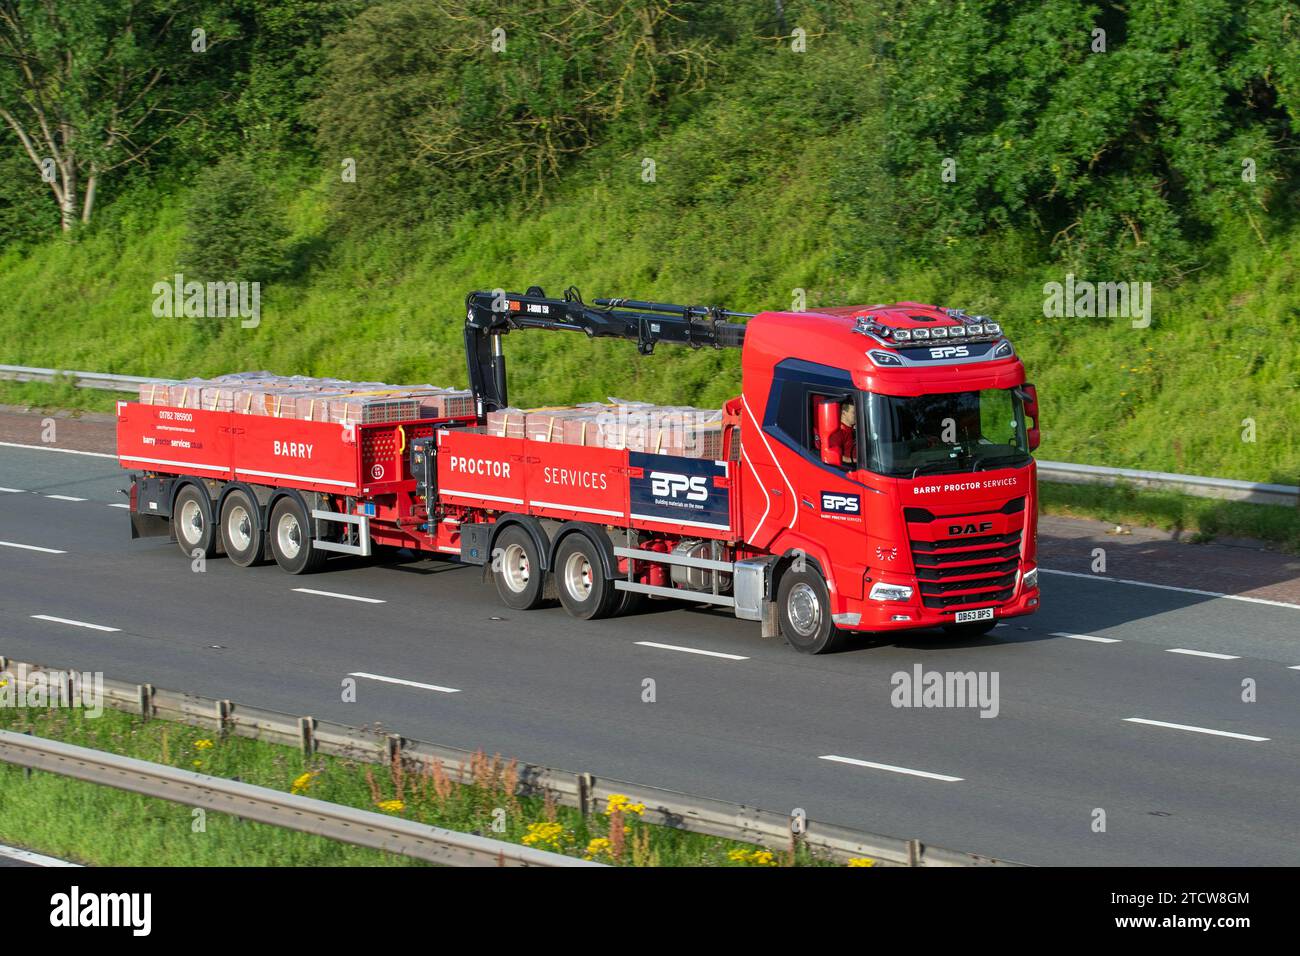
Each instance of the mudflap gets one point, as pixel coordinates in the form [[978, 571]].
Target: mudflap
[[149, 526]]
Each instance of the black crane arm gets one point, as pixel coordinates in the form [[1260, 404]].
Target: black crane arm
[[490, 315]]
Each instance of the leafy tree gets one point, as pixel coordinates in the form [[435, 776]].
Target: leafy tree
[[90, 86]]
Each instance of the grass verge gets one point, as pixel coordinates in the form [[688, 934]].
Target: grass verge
[[1204, 519], [99, 825]]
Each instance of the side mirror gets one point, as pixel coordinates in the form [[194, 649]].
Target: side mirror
[[1029, 395], [827, 422]]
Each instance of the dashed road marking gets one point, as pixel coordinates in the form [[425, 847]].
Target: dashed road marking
[[1088, 637], [1210, 654], [892, 769], [1195, 730], [405, 683], [63, 498], [692, 650], [64, 620], [30, 547], [345, 597]]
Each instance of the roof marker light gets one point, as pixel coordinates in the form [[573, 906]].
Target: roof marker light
[[902, 335], [939, 333], [957, 332], [920, 333]]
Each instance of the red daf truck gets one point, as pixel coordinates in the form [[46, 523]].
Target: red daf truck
[[875, 476]]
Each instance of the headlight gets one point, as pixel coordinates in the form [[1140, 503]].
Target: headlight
[[880, 591], [1031, 579]]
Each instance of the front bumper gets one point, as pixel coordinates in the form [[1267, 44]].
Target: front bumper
[[867, 615]]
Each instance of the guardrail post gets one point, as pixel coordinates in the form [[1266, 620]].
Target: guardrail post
[[307, 734], [586, 785], [146, 700], [224, 710], [914, 852], [4, 663], [394, 744]]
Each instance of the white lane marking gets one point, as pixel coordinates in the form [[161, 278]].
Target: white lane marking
[[892, 769], [345, 597], [1196, 730], [30, 547], [64, 620], [35, 859], [1294, 667], [118, 504], [1088, 637], [692, 650], [405, 683], [62, 498], [1217, 657], [1170, 587], [13, 491], [66, 451]]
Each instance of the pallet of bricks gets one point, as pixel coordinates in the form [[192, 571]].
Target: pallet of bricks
[[310, 399], [636, 426]]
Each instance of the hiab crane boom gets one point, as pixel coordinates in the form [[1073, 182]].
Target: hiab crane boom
[[873, 475]]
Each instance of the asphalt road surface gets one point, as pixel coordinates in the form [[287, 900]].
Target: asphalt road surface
[[1087, 688]]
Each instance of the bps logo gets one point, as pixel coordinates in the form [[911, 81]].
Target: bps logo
[[950, 351], [839, 503], [667, 484]]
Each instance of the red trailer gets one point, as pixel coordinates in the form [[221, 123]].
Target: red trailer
[[875, 475]]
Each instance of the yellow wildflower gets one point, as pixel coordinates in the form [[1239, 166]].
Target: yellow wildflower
[[204, 744], [596, 847], [619, 802], [391, 806], [861, 861], [301, 784]]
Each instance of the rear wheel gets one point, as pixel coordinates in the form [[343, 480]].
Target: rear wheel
[[972, 630], [517, 569], [241, 532], [584, 589], [192, 522], [291, 540], [804, 604]]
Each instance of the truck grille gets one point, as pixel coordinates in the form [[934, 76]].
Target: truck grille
[[978, 570]]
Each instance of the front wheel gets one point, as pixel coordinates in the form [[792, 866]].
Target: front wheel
[[804, 604], [291, 540]]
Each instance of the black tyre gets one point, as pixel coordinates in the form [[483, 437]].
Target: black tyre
[[971, 630], [291, 539], [517, 569], [804, 608], [192, 522], [584, 589], [241, 529], [631, 602]]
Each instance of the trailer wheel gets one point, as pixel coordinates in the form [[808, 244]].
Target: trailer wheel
[[517, 569], [291, 540], [804, 604], [243, 540], [192, 522], [580, 579]]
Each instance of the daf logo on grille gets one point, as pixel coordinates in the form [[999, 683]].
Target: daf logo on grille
[[957, 529]]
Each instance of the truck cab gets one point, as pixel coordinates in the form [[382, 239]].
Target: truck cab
[[887, 449]]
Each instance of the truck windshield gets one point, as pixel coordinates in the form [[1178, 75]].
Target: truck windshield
[[946, 432]]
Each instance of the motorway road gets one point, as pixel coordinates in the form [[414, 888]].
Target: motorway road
[[752, 727]]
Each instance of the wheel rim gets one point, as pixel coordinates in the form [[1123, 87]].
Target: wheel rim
[[288, 536], [577, 576], [805, 610], [239, 528], [515, 568], [191, 523]]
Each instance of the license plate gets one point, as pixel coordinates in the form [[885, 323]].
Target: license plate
[[979, 614]]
